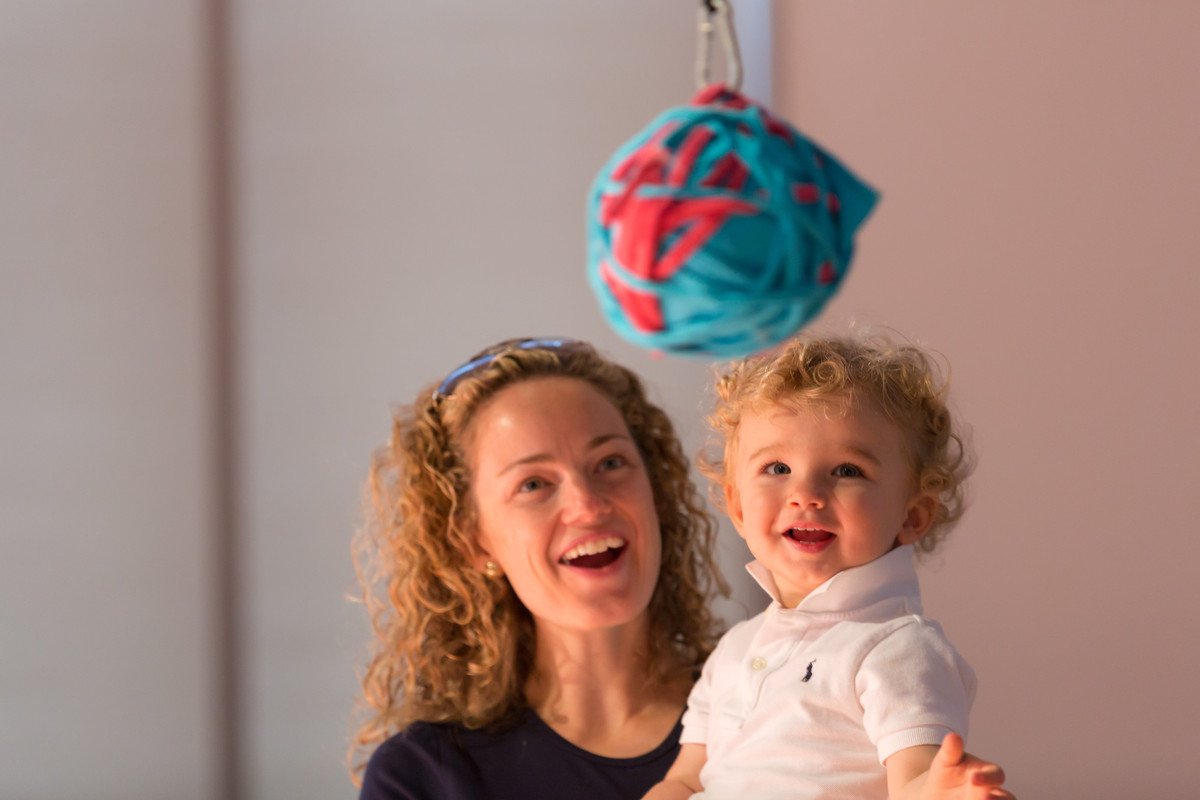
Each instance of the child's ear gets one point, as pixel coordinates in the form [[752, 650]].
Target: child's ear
[[733, 506], [917, 518]]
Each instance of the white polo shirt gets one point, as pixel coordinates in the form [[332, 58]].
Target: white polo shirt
[[808, 702]]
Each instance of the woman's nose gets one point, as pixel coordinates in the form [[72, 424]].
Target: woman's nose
[[585, 503]]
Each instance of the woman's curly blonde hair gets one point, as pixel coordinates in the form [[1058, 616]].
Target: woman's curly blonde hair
[[452, 645], [902, 381]]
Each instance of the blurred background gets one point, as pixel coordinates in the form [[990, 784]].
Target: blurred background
[[237, 233]]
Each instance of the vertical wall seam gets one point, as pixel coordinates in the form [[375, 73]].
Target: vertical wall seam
[[228, 778]]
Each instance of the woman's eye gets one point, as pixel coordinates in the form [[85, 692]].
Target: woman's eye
[[777, 468], [531, 485], [847, 471], [611, 463]]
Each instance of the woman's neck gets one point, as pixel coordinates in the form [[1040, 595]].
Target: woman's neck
[[594, 688]]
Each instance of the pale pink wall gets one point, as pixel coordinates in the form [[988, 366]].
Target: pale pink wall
[[1041, 188]]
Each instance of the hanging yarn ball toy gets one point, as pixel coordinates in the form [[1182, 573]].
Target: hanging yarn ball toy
[[720, 229]]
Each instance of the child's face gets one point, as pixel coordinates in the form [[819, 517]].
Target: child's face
[[821, 487]]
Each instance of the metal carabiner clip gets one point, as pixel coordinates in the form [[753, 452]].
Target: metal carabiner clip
[[717, 16]]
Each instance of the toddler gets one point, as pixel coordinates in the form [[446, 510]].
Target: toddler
[[840, 458]]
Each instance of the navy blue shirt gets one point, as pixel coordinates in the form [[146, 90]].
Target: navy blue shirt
[[529, 761]]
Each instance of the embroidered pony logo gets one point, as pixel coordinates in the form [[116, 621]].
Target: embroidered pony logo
[[808, 672]]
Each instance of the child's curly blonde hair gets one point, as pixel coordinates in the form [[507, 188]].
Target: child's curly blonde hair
[[452, 644], [902, 381]]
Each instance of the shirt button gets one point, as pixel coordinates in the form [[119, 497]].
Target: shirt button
[[758, 664]]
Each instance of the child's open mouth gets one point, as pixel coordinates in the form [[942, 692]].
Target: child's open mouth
[[811, 540], [595, 554]]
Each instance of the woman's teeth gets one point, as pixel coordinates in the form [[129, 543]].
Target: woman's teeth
[[592, 548]]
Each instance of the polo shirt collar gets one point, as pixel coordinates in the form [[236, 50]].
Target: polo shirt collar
[[890, 575]]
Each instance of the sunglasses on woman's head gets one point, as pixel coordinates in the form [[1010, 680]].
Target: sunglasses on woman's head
[[447, 386]]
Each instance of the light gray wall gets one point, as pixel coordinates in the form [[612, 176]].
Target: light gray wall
[[411, 184], [105, 499], [408, 183]]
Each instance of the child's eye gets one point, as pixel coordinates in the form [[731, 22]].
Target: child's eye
[[847, 471], [777, 468]]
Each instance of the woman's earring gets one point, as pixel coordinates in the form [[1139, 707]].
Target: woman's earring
[[491, 569]]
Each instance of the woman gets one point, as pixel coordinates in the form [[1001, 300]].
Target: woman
[[538, 569]]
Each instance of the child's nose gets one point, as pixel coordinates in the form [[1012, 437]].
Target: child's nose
[[807, 494]]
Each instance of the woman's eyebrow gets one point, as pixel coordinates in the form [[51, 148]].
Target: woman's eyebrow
[[535, 458], [530, 459], [604, 439]]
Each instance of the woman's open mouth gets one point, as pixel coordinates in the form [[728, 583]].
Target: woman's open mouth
[[594, 554]]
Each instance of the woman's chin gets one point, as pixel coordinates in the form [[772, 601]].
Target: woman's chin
[[599, 612]]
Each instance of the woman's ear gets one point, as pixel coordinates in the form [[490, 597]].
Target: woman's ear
[[480, 558], [918, 518], [483, 561], [480, 555]]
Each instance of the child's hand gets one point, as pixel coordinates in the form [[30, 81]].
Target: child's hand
[[957, 775]]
